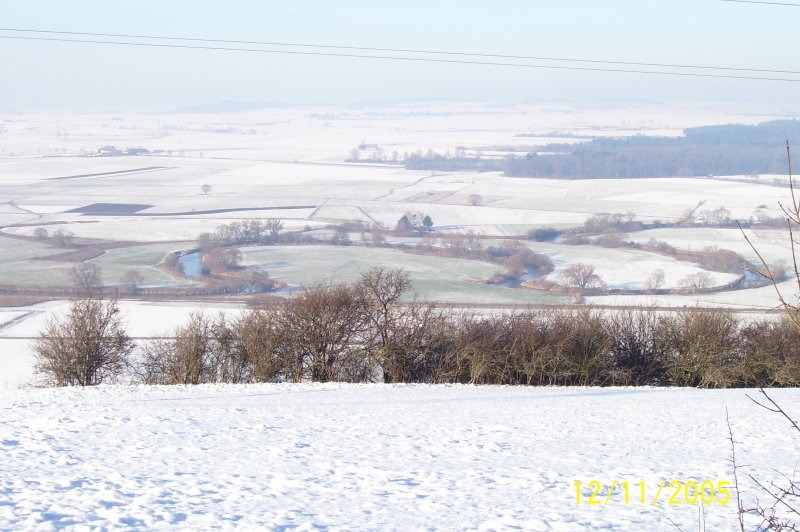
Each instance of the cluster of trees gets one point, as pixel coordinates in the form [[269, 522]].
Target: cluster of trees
[[60, 237], [580, 276], [361, 332], [253, 231], [414, 222], [219, 251], [517, 258], [709, 258], [87, 279], [599, 160], [448, 163], [543, 234]]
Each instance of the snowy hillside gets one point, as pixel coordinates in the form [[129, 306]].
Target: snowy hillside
[[374, 456]]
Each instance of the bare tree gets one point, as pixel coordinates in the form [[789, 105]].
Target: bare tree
[[341, 235], [655, 280], [85, 347], [254, 281], [87, 278], [274, 227], [784, 497], [205, 189], [133, 281], [62, 238], [792, 214], [697, 281], [321, 325], [40, 233], [207, 242], [377, 236], [222, 259], [475, 199], [580, 276], [718, 216], [380, 290]]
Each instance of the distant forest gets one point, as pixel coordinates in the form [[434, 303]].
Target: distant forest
[[708, 150]]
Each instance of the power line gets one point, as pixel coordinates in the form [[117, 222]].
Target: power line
[[400, 50], [765, 3], [406, 58]]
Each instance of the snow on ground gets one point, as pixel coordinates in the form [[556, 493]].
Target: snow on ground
[[289, 164], [772, 244], [376, 457], [764, 297], [624, 268]]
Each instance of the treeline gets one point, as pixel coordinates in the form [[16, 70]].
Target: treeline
[[709, 150], [591, 161], [515, 257], [446, 163], [360, 332]]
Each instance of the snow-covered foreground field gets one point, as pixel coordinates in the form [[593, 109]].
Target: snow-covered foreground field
[[375, 456]]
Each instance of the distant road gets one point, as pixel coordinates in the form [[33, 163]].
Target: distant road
[[118, 172]]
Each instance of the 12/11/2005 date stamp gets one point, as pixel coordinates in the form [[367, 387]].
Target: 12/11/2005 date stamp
[[673, 492]]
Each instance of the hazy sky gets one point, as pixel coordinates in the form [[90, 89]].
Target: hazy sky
[[69, 76]]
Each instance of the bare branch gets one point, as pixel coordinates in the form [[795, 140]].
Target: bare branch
[[739, 508]]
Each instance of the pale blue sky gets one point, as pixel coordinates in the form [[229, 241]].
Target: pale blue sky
[[64, 76]]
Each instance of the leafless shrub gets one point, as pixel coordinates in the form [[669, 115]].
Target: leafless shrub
[[86, 347], [585, 348], [771, 351], [419, 340], [187, 358], [262, 344], [703, 349], [640, 347], [322, 327]]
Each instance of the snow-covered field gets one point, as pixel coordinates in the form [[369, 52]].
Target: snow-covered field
[[205, 170], [377, 457], [624, 268]]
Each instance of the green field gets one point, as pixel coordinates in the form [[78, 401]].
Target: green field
[[144, 259], [433, 278], [21, 264]]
